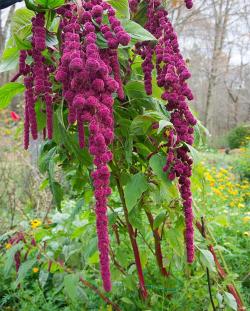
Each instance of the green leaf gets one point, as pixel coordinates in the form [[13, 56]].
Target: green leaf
[[71, 282], [22, 44], [91, 248], [136, 31], [9, 257], [122, 8], [194, 153], [127, 301], [40, 115], [159, 219], [140, 125], [51, 40], [70, 142], [50, 4], [219, 299], [57, 192], [135, 90], [157, 162], [175, 239], [129, 148], [207, 259], [9, 59], [135, 218], [8, 91], [134, 189], [163, 124], [230, 301], [43, 277], [21, 23], [23, 271]]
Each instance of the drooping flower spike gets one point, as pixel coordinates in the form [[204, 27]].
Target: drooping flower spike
[[172, 74]]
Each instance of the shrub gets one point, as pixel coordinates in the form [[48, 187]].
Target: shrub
[[238, 136], [242, 164]]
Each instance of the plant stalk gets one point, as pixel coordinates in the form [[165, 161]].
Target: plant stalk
[[132, 237], [157, 240]]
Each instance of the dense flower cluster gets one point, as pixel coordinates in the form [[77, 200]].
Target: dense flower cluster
[[36, 81], [89, 76], [172, 74]]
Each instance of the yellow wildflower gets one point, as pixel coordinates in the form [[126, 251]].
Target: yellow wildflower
[[244, 186], [35, 223], [247, 233], [240, 205], [7, 245], [223, 170], [35, 269], [233, 192], [246, 219], [216, 191]]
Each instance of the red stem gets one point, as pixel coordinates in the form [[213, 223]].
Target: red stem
[[99, 293], [16, 76], [157, 239], [132, 237]]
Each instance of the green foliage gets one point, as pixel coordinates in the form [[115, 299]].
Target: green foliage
[[8, 91], [239, 136], [122, 8], [134, 189], [242, 163], [21, 26]]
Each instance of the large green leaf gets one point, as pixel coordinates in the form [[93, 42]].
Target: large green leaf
[[23, 271], [8, 91], [135, 90], [55, 187], [21, 23], [230, 301], [71, 282], [50, 4], [207, 259], [140, 125], [43, 278], [9, 59], [122, 8], [136, 31], [159, 219], [9, 257], [157, 162], [40, 115], [134, 189]]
